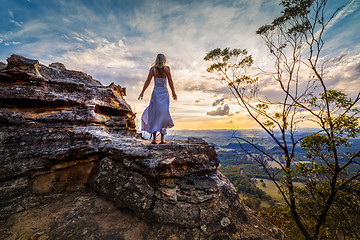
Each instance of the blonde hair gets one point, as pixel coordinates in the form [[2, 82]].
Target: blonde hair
[[160, 64], [160, 61]]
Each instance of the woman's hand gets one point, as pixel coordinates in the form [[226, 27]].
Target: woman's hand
[[141, 96], [174, 96]]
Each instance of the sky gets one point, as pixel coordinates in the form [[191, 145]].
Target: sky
[[118, 40]]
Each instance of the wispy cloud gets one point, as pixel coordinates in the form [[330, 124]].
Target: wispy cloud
[[104, 55], [19, 24], [348, 8], [11, 14], [11, 43]]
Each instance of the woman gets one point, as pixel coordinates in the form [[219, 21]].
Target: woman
[[156, 116]]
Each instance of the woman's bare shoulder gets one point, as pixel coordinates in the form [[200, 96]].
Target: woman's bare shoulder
[[151, 70]]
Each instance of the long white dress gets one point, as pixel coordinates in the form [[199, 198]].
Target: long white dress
[[156, 116]]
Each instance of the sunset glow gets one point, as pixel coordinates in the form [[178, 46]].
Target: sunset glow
[[117, 41]]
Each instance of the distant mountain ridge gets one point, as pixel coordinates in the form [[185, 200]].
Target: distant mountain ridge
[[223, 139]]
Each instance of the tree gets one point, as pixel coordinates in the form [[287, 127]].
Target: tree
[[295, 40], [342, 221]]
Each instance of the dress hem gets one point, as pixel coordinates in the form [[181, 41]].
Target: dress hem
[[157, 130]]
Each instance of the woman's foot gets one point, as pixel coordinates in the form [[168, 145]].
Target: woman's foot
[[154, 138], [162, 139]]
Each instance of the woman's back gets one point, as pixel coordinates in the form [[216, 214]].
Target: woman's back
[[160, 72], [160, 82]]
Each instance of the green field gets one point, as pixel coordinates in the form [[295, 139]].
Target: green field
[[271, 189]]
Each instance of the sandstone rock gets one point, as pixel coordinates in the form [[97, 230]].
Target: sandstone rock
[[67, 143], [35, 93], [76, 215], [57, 65], [23, 65]]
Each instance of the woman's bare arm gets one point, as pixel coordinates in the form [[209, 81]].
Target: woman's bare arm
[[147, 83], [171, 83]]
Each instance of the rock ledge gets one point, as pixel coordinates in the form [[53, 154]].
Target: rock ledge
[[73, 167]]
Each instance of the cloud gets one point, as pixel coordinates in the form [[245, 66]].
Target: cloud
[[220, 111], [351, 6], [30, 29], [19, 24], [344, 75], [218, 102], [184, 32], [339, 58], [13, 43], [214, 88], [104, 54], [11, 14]]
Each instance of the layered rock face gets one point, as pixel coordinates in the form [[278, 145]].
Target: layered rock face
[[73, 167]]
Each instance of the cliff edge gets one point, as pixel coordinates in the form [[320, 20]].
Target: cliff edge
[[73, 167]]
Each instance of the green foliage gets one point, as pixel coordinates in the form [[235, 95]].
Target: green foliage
[[293, 10], [316, 145], [221, 57], [281, 217], [342, 120], [252, 203], [262, 106], [342, 221], [269, 124], [251, 169], [338, 98], [244, 185], [231, 65]]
